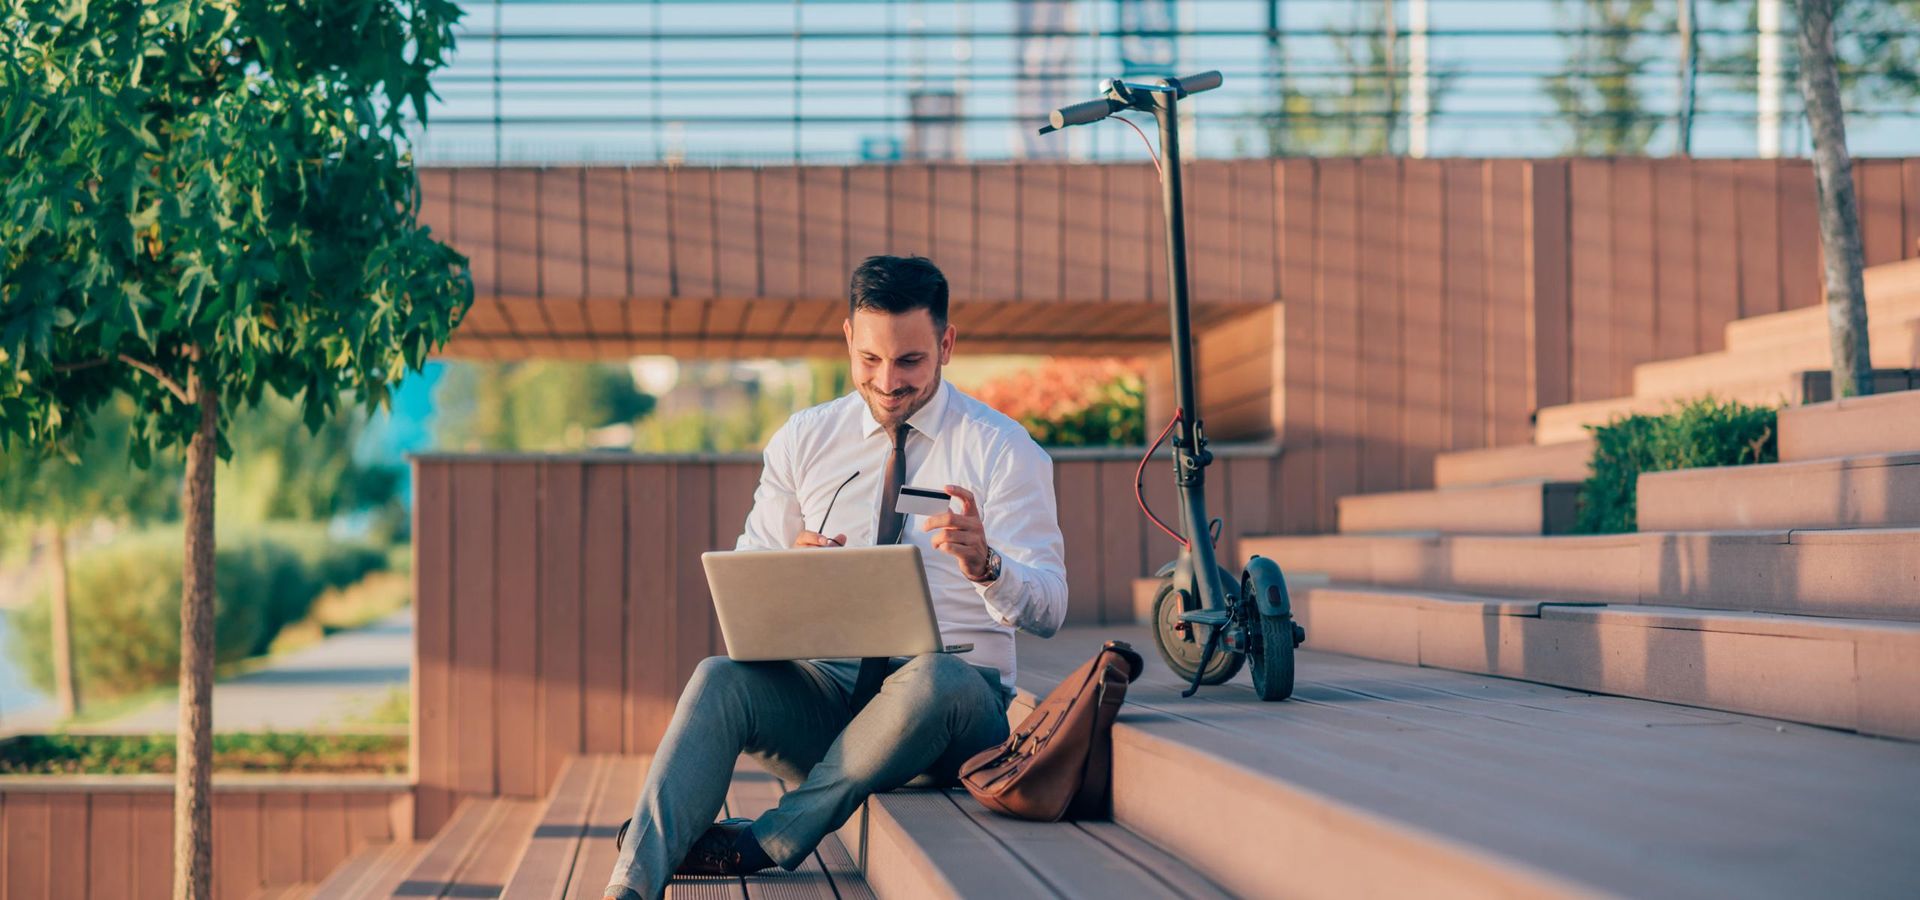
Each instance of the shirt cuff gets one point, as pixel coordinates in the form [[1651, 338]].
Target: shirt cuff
[[1005, 595]]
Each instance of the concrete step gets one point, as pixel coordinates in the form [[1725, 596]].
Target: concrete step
[[1871, 491], [1871, 573], [1526, 507], [1893, 292], [1851, 426], [1380, 779], [1856, 675], [1566, 461], [1895, 344], [1568, 422]]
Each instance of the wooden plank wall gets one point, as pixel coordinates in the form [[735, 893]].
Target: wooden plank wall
[[1434, 305], [118, 841], [1240, 378], [560, 603]]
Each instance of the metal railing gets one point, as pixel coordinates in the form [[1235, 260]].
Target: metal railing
[[782, 81]]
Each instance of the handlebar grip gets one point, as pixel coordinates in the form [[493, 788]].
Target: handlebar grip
[[1081, 113], [1203, 81]]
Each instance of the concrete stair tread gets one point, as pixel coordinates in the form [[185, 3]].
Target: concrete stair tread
[[1892, 289], [1381, 778], [1878, 423], [1637, 614], [1569, 421], [1867, 490], [1531, 506], [1564, 461], [1892, 342], [1841, 673], [1849, 572]]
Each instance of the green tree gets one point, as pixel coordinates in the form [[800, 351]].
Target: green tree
[[1596, 95], [205, 200], [281, 471], [1359, 111], [539, 405], [71, 486], [1876, 49]]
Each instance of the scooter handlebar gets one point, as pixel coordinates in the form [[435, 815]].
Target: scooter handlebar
[[1204, 81], [1081, 113]]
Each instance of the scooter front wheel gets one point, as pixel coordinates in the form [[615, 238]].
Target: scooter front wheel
[[1180, 647], [1275, 636]]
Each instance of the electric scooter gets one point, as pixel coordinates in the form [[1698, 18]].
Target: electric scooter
[[1206, 622]]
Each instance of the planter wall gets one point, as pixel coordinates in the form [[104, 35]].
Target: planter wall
[[112, 836]]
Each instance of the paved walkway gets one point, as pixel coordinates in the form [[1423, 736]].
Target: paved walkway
[[314, 687]]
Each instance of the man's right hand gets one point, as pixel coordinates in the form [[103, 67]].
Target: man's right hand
[[815, 539]]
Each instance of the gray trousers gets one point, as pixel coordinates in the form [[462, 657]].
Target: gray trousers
[[795, 719]]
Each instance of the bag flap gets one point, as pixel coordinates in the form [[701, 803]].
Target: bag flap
[[1135, 665]]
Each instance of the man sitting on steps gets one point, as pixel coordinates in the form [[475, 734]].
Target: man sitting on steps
[[998, 569]]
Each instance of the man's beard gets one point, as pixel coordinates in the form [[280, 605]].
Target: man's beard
[[891, 418]]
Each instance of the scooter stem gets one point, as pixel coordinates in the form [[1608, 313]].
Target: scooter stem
[[1190, 454]]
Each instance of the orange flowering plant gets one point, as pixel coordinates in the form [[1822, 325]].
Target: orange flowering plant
[[1073, 402]]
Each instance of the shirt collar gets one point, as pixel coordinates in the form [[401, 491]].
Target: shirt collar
[[926, 421]]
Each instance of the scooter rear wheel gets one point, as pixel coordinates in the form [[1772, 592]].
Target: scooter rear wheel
[[1181, 653]]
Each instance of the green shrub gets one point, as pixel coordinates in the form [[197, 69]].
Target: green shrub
[[126, 603], [1703, 433], [72, 754]]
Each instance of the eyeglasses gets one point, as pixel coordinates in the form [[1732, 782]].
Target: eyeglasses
[[822, 530]]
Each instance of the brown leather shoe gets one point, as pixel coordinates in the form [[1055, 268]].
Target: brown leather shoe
[[714, 853]]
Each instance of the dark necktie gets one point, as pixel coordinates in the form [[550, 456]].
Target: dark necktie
[[874, 669], [891, 522]]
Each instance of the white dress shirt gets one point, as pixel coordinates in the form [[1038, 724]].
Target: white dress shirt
[[955, 440]]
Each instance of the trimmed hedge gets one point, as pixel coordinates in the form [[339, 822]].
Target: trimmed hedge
[[126, 602], [279, 752], [1702, 433]]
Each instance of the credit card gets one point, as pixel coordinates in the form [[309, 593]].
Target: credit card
[[916, 501]]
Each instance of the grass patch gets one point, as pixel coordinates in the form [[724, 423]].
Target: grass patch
[[267, 752], [395, 707]]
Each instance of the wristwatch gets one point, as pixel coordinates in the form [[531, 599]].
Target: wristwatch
[[993, 568]]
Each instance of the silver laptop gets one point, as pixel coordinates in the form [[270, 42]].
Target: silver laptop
[[824, 603]]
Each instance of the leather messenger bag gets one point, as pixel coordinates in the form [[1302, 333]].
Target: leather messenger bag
[[1058, 763]]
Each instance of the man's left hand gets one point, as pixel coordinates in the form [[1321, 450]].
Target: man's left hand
[[961, 535]]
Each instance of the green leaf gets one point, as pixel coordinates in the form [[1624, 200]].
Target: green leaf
[[144, 219], [193, 283]]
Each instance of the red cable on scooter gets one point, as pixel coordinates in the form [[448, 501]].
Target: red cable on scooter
[[1140, 474]]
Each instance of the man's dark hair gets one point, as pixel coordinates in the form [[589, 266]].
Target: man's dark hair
[[898, 284]]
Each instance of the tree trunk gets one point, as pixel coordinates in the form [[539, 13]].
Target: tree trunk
[[1839, 212], [193, 767], [65, 687]]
